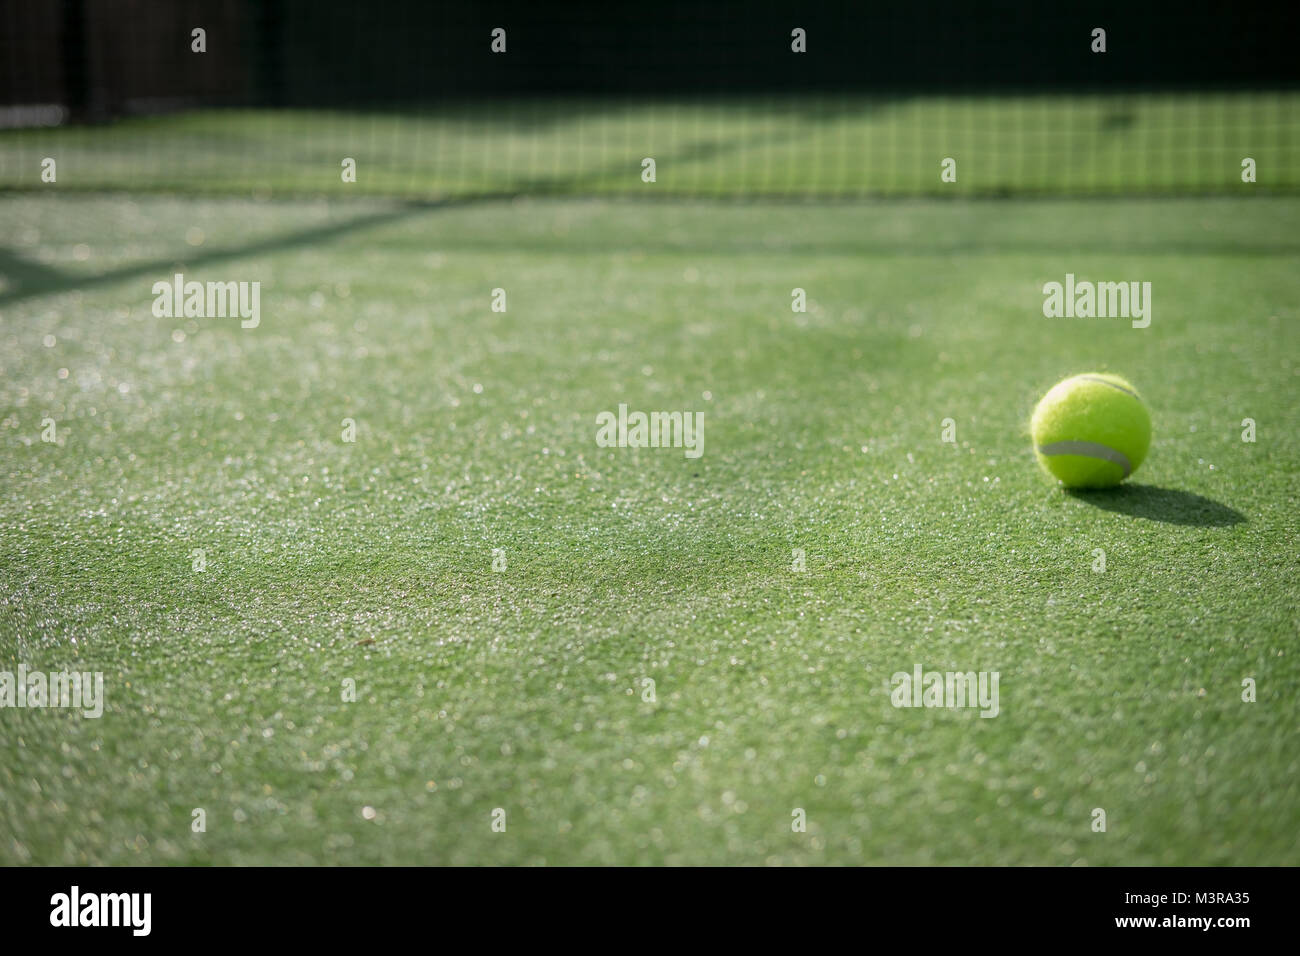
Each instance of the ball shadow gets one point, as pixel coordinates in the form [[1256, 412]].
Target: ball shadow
[[1162, 504]]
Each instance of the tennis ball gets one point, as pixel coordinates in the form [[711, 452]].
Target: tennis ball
[[1091, 431]]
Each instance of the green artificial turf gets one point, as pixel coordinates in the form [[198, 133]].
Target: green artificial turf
[[522, 690]]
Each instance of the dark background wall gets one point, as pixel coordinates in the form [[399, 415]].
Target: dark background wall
[[110, 56], [414, 50]]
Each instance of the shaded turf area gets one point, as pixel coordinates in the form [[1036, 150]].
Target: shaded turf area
[[525, 689]]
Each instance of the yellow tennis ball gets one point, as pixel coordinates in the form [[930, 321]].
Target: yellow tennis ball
[[1091, 431]]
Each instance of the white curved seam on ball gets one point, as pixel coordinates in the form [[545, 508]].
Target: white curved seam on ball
[[1087, 449], [1103, 381]]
